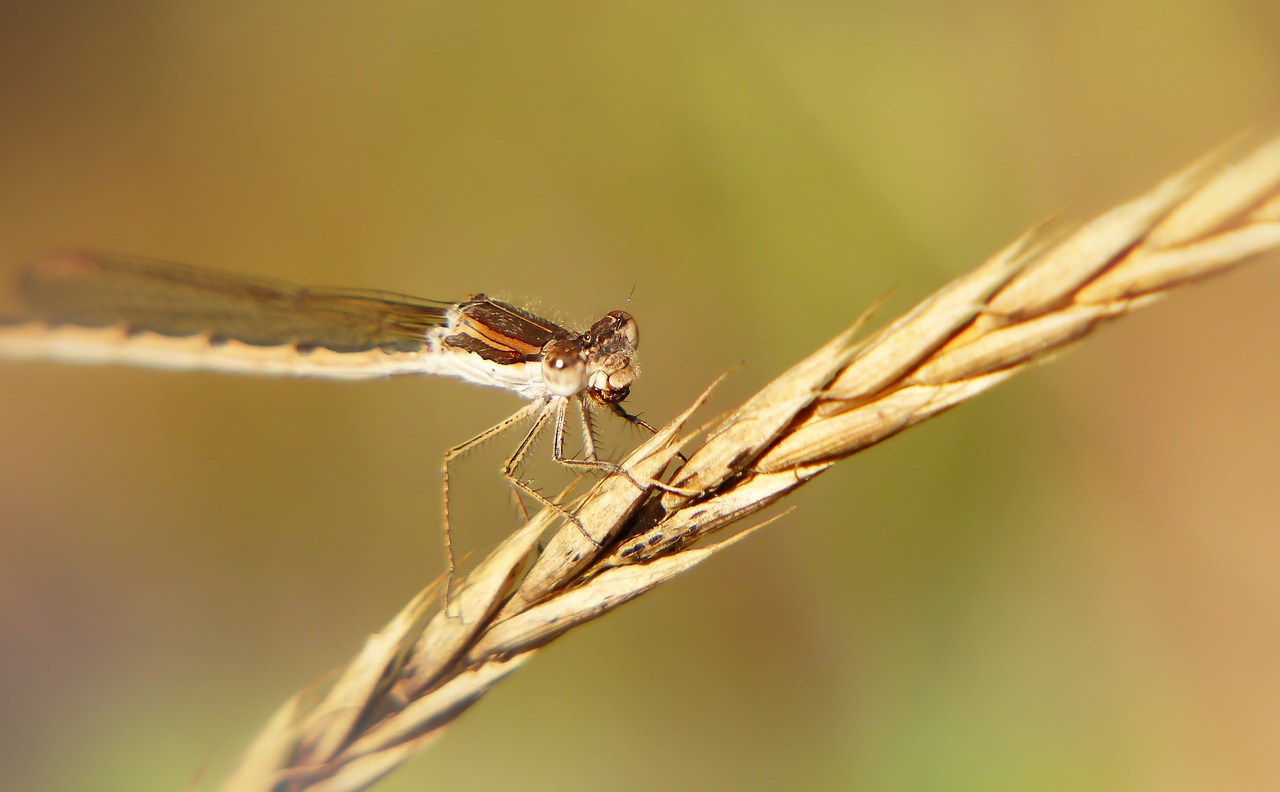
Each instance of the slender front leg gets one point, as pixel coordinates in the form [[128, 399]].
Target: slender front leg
[[556, 408], [588, 429], [509, 469], [634, 420], [522, 414], [592, 463]]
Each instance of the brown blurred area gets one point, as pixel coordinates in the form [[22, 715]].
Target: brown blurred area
[[1067, 584]]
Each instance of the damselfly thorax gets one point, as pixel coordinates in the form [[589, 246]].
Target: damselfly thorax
[[93, 307]]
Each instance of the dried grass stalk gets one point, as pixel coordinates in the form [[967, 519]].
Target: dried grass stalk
[[1029, 301]]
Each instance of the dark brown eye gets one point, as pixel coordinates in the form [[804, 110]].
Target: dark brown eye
[[563, 369], [626, 327]]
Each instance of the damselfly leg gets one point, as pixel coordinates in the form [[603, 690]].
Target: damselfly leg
[[541, 413]]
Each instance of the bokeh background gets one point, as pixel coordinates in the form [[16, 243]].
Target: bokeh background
[[1067, 584]]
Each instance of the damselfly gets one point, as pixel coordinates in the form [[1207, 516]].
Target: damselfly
[[93, 307]]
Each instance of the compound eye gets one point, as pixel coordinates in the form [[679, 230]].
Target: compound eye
[[563, 369], [626, 327]]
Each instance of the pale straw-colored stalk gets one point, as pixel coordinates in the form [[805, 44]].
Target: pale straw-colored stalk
[[1029, 301]]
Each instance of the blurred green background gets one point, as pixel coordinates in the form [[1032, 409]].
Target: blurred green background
[[1067, 584]]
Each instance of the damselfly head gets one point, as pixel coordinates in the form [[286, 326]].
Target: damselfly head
[[601, 361], [611, 354]]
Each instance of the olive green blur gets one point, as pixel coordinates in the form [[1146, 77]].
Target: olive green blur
[[1068, 584]]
